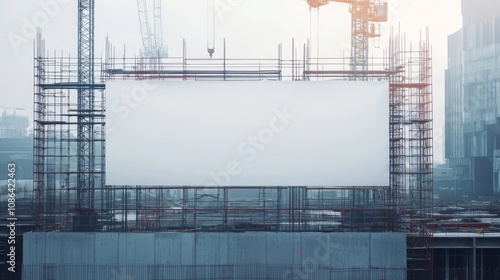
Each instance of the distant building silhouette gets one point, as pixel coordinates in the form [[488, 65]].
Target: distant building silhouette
[[472, 145], [16, 145]]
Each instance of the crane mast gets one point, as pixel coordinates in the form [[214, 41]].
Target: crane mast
[[365, 15], [85, 104], [152, 33], [144, 24], [158, 32]]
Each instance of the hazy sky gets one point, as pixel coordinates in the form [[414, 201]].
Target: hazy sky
[[253, 28]]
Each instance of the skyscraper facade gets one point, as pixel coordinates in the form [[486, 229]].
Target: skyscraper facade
[[472, 145]]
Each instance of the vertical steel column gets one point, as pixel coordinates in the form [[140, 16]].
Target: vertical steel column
[[226, 206], [474, 264], [447, 264], [39, 172], [184, 206], [85, 126], [158, 31], [278, 208], [359, 38]]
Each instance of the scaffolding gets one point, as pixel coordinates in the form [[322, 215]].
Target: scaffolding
[[56, 141], [403, 205], [411, 148], [278, 209]]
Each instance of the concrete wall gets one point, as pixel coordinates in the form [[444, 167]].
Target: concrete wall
[[214, 256]]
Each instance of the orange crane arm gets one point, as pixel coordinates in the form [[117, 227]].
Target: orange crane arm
[[319, 3], [364, 14]]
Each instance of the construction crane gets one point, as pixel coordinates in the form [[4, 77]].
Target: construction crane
[[152, 34], [365, 16], [85, 220]]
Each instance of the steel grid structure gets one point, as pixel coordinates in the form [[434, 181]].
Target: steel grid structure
[[59, 121], [404, 205], [408, 68], [411, 148], [200, 208]]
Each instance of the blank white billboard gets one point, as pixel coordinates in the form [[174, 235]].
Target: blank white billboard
[[330, 133]]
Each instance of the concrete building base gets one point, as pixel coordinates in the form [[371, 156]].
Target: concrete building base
[[255, 255]]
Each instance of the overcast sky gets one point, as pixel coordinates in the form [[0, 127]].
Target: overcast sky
[[252, 28]]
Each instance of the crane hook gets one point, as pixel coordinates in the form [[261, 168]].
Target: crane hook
[[211, 27]]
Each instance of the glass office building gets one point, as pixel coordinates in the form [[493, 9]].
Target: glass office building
[[472, 145]]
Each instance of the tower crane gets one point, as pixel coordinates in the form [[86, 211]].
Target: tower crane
[[365, 15], [152, 35], [85, 126]]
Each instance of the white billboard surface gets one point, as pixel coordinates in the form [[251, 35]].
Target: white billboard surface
[[207, 133]]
